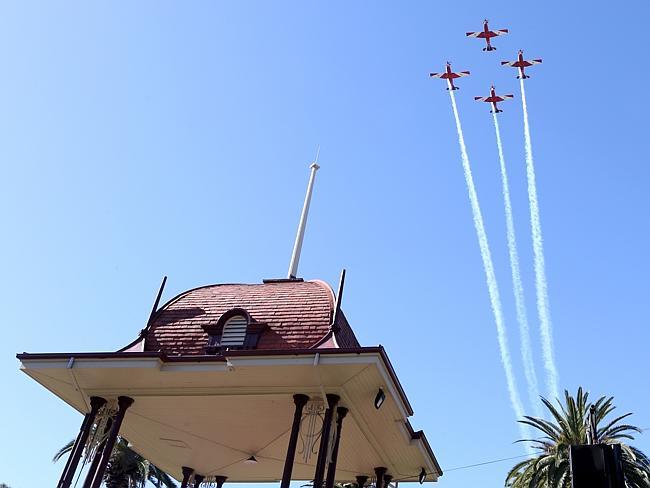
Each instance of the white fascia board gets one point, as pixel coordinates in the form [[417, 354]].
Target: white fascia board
[[194, 367], [81, 363]]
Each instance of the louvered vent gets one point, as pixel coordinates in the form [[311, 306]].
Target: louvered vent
[[234, 331]]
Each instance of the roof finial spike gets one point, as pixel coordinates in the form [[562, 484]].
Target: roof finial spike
[[339, 299], [297, 247]]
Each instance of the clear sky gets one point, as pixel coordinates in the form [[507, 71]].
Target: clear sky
[[146, 138]]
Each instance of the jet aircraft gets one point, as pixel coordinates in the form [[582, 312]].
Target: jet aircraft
[[522, 64], [487, 34], [494, 99], [449, 75]]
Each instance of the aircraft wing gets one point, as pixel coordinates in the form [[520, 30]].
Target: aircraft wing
[[512, 64], [481, 99], [446, 76], [534, 61], [499, 32], [507, 97], [475, 34]]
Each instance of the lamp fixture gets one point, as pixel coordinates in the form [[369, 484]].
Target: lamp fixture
[[251, 460], [379, 398], [422, 476]]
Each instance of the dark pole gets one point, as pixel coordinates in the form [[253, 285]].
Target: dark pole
[[341, 412], [187, 472], [380, 472], [220, 480], [123, 403], [387, 479], [339, 299], [198, 478], [155, 304], [332, 400], [300, 402], [361, 481], [78, 448], [98, 454]]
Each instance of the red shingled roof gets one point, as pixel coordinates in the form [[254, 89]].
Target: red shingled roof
[[298, 315]]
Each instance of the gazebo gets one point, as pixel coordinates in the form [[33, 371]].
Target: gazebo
[[255, 383]]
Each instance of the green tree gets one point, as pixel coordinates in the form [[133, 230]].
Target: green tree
[[127, 469], [549, 468]]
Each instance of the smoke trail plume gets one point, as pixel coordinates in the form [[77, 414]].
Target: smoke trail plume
[[493, 289], [543, 310], [517, 285]]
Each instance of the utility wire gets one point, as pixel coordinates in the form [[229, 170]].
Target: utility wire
[[476, 465], [457, 468]]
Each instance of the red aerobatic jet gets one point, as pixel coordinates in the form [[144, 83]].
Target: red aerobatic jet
[[522, 64], [487, 34], [494, 99], [449, 75]]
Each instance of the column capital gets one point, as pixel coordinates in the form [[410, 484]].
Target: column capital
[[96, 403], [300, 400], [220, 480], [361, 481], [198, 479], [124, 402], [332, 400], [342, 412]]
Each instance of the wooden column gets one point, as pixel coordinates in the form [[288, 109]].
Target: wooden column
[[123, 403], [341, 412], [187, 474], [380, 472], [300, 401], [78, 448], [361, 481], [387, 479], [198, 479], [332, 400]]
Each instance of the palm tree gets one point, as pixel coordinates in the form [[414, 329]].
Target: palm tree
[[127, 469], [549, 468]]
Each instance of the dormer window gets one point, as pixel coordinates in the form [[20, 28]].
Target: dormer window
[[234, 330]]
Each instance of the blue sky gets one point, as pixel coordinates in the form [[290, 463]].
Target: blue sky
[[147, 138]]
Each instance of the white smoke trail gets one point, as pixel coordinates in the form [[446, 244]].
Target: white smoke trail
[[517, 285], [488, 266], [543, 309]]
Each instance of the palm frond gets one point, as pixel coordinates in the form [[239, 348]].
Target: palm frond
[[63, 451]]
